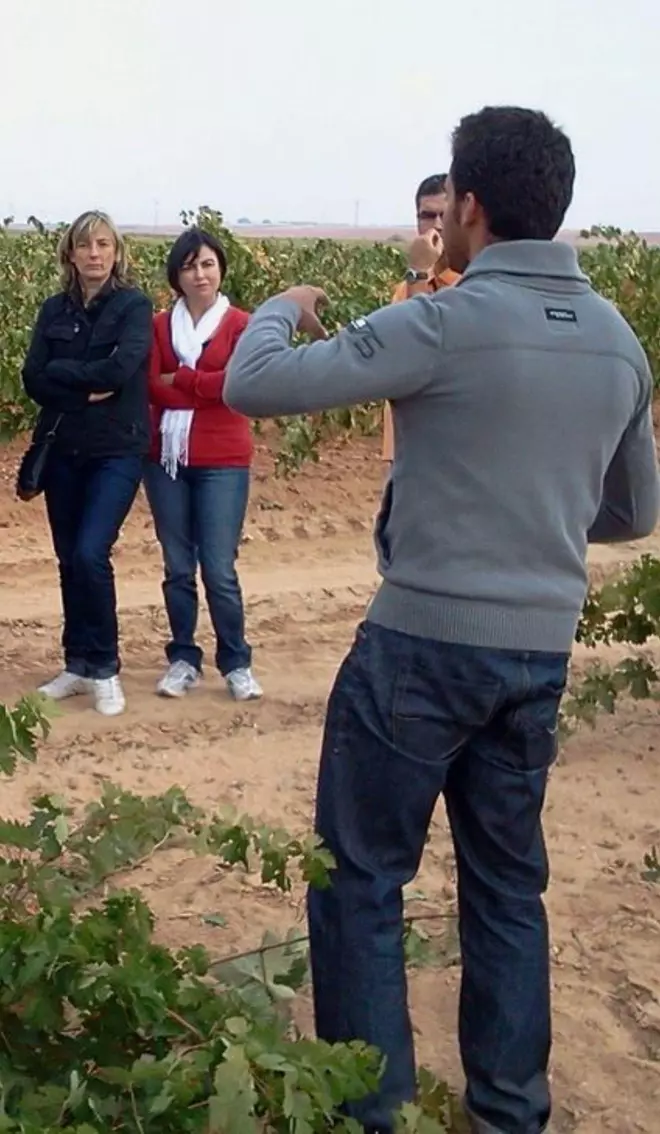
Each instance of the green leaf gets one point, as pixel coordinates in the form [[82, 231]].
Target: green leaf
[[161, 1103], [215, 919], [232, 1104], [652, 864], [61, 828]]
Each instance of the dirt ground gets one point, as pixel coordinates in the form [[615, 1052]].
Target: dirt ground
[[307, 572]]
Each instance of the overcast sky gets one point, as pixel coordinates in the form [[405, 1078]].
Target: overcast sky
[[294, 111]]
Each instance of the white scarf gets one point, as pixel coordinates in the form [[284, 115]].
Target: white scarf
[[188, 341]]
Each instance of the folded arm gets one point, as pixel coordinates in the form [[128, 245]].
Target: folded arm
[[36, 383], [631, 491], [109, 375], [190, 389], [392, 354], [201, 387]]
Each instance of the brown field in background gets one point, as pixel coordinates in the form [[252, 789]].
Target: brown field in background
[[307, 569], [383, 234]]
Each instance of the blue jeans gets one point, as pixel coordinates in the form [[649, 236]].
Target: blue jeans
[[199, 520], [87, 503], [408, 719]]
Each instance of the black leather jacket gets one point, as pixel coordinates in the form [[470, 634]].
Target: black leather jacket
[[77, 351]]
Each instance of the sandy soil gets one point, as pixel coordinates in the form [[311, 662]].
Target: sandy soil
[[307, 571]]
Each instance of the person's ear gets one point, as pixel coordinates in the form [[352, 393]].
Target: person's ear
[[469, 210]]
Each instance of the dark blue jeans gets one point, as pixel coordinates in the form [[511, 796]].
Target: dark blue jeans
[[408, 719], [87, 503], [199, 520]]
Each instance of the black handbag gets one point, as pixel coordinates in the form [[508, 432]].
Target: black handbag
[[31, 477]]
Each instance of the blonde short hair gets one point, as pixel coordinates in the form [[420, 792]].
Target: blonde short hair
[[80, 230]]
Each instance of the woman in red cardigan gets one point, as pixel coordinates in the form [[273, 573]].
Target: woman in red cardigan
[[198, 475]]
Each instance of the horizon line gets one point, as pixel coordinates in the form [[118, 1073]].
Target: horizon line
[[387, 233]]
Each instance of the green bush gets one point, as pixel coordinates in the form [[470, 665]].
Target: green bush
[[104, 1030], [626, 270], [358, 278]]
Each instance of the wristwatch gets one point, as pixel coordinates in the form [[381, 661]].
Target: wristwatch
[[413, 276]]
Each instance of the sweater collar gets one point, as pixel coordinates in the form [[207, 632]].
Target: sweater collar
[[539, 258]]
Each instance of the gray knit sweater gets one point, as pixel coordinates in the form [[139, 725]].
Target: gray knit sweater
[[521, 404]]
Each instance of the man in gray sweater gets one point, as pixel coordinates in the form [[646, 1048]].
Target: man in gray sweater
[[522, 417]]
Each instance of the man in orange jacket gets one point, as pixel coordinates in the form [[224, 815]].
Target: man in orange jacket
[[427, 268]]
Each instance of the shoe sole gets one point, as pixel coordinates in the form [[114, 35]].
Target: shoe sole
[[111, 712], [174, 696], [64, 696]]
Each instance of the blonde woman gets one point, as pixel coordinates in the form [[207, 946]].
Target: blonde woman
[[87, 369]]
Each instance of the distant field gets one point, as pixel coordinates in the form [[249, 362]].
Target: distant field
[[383, 233], [386, 234]]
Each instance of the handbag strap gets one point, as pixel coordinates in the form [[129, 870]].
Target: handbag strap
[[54, 428]]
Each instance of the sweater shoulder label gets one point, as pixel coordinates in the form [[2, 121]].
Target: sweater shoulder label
[[560, 315]]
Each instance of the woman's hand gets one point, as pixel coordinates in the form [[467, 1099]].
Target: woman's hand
[[100, 397], [168, 379]]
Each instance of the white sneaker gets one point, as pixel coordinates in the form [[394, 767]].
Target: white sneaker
[[65, 685], [109, 696], [180, 677], [243, 686]]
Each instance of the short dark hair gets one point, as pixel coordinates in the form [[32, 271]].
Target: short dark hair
[[431, 187], [520, 168], [187, 247]]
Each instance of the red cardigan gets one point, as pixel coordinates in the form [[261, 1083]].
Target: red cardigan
[[218, 435]]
